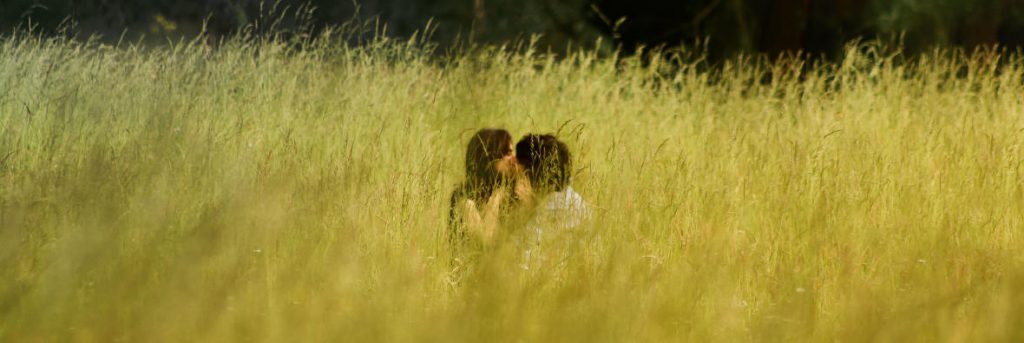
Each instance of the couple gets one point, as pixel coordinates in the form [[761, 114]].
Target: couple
[[514, 189]]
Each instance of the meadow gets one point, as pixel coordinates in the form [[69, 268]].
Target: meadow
[[263, 190]]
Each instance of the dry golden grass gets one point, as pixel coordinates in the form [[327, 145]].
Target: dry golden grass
[[261, 192]]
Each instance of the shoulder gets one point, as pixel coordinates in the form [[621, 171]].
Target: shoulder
[[568, 205], [573, 200], [579, 207]]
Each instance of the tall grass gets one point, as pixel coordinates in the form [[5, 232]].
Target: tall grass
[[263, 191]]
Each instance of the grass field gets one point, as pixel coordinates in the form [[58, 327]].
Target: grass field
[[262, 192]]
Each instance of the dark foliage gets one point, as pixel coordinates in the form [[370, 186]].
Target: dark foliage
[[819, 27]]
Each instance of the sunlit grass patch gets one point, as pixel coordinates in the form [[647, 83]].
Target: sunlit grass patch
[[261, 190]]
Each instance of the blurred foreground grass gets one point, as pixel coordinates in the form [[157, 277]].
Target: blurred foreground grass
[[262, 191]]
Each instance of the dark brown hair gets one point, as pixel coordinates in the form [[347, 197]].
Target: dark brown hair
[[546, 160]]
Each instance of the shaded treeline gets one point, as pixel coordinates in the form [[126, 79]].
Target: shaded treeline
[[814, 26], [820, 27]]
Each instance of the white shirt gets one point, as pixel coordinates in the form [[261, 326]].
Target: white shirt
[[559, 211], [562, 210]]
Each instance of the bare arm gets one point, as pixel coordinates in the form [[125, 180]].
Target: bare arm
[[483, 224], [492, 212], [471, 219]]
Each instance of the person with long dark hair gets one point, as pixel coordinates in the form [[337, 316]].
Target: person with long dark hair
[[476, 205]]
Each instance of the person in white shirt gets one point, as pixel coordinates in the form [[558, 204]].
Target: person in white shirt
[[547, 164], [555, 206]]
